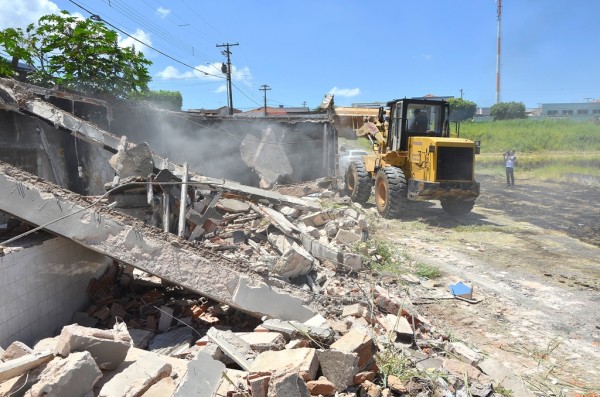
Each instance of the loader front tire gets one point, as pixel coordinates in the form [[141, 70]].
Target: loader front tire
[[390, 192], [358, 182]]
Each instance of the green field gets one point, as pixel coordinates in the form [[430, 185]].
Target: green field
[[546, 149]]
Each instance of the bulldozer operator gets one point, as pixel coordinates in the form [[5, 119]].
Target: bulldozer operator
[[420, 122]]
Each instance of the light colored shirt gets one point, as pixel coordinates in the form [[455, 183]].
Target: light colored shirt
[[510, 161]]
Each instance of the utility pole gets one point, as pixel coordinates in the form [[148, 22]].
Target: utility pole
[[265, 88], [227, 53], [304, 104], [461, 93], [499, 13]]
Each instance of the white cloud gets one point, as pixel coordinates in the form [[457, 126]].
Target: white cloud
[[208, 72], [221, 89], [163, 12], [15, 14], [141, 36], [345, 92]]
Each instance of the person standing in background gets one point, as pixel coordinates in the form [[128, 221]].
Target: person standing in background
[[509, 162]]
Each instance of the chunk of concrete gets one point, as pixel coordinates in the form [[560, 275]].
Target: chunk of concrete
[[355, 310], [263, 341], [356, 341], [294, 328], [464, 353], [203, 377], [136, 161], [233, 346], [164, 387], [317, 219], [346, 237], [353, 262], [108, 347], [134, 380], [280, 242], [73, 376], [15, 350], [303, 361], [339, 367], [296, 261], [258, 384], [287, 384], [398, 326]]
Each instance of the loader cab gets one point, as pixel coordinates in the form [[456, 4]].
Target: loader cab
[[416, 117]]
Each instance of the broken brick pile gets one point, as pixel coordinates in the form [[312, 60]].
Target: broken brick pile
[[153, 338]]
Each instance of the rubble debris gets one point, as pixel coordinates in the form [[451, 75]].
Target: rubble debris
[[15, 350], [202, 378], [288, 384], [73, 376], [108, 347], [338, 367], [233, 346], [137, 378], [302, 360]]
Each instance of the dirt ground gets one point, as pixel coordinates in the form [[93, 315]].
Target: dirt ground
[[532, 254]]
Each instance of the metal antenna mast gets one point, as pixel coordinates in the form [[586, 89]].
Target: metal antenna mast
[[265, 88], [499, 12], [227, 53]]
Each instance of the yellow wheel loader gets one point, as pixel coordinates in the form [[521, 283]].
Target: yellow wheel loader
[[414, 158]]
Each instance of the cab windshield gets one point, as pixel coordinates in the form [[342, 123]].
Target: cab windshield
[[424, 119]]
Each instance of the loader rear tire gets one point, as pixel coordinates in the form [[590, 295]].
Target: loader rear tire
[[391, 192], [457, 207], [358, 182]]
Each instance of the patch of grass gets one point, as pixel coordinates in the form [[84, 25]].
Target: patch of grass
[[427, 271], [387, 257], [499, 389], [393, 362]]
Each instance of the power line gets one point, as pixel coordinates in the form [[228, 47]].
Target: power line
[[96, 17]]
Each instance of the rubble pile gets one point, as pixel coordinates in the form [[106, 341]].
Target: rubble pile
[[145, 336]]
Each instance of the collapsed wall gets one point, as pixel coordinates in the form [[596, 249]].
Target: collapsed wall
[[43, 283], [131, 242]]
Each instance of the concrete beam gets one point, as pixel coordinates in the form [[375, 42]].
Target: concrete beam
[[129, 241]]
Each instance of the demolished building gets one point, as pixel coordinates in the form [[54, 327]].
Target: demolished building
[[197, 285]]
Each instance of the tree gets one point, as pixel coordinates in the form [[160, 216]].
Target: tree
[[461, 109], [79, 54], [170, 100], [508, 111]]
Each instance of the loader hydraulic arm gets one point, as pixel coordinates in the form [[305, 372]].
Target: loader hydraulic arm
[[370, 131]]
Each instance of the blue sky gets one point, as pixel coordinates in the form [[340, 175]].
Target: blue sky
[[361, 51]]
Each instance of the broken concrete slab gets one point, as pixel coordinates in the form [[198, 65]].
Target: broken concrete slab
[[233, 346], [346, 237], [263, 341], [339, 367], [127, 240], [108, 347], [73, 376], [232, 205], [21, 365], [137, 378], [303, 361], [293, 328], [141, 337], [397, 325], [203, 377]]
